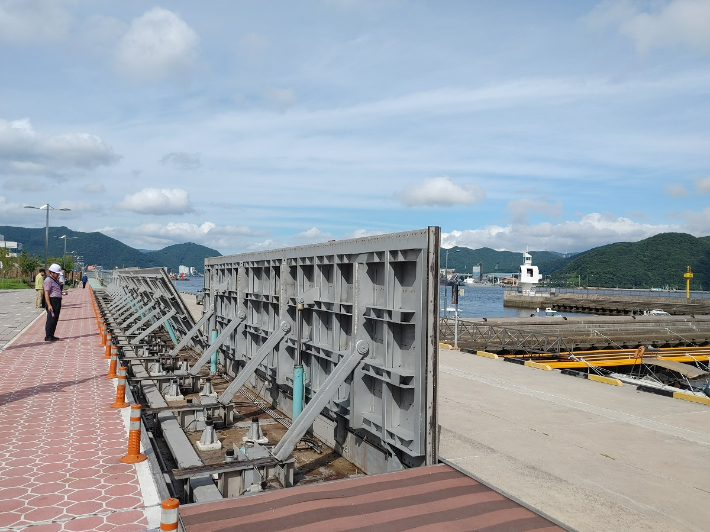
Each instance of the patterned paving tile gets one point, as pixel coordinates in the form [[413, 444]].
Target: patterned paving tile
[[59, 463]]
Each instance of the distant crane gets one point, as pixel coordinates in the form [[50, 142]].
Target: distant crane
[[688, 276]]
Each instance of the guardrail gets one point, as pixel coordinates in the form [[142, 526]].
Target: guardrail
[[547, 291]]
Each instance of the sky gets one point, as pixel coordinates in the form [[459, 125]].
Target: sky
[[246, 125]]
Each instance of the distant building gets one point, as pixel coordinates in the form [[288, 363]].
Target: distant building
[[16, 247]]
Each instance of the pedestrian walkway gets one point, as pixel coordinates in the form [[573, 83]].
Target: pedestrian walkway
[[61, 442], [17, 311]]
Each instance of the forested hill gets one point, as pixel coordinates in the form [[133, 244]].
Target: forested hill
[[464, 259], [656, 262], [97, 248]]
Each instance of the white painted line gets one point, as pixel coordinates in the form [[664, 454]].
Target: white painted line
[[20, 333], [149, 491]]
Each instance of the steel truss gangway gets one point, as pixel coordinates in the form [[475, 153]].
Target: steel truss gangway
[[340, 337], [504, 339]]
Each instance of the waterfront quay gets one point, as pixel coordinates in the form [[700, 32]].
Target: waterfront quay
[[592, 456], [541, 447], [614, 303]]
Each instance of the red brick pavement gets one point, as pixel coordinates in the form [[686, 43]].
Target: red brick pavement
[[61, 442]]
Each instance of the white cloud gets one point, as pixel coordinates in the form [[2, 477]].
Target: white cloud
[[158, 45], [312, 236], [702, 185], [521, 209], [157, 201], [361, 233], [259, 246], [33, 21], [95, 187], [23, 151], [6, 207], [182, 160], [697, 223], [440, 192], [678, 22], [153, 235], [675, 191], [590, 231]]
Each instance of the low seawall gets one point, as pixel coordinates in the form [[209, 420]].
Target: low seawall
[[610, 305]]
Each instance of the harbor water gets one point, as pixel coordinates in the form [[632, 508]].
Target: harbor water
[[477, 301], [481, 301]]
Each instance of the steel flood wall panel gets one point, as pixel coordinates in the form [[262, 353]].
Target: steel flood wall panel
[[382, 290], [152, 286]]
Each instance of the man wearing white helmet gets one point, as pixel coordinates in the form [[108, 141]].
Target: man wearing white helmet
[[53, 297]]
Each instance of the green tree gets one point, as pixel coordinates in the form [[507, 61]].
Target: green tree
[[29, 264]]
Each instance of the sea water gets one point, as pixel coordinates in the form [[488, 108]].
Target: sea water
[[480, 301], [477, 301]]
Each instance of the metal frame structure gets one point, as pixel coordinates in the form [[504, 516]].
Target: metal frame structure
[[348, 329], [148, 296], [360, 318], [504, 338]]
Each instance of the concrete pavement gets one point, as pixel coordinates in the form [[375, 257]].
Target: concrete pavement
[[17, 311], [593, 456]]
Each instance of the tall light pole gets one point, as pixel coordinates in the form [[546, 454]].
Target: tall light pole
[[64, 266], [47, 207], [446, 276]]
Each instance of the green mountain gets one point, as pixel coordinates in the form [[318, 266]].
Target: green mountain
[[97, 248], [464, 259], [656, 262]]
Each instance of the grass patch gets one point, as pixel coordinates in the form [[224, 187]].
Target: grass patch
[[10, 283]]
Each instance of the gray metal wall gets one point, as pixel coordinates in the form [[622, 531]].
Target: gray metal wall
[[379, 291]]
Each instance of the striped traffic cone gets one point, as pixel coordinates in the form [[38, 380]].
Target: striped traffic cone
[[110, 348], [112, 366], [169, 514], [134, 438], [121, 389]]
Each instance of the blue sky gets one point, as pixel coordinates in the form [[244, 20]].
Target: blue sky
[[250, 125]]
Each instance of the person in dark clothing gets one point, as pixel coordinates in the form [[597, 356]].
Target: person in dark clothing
[[84, 280], [53, 297]]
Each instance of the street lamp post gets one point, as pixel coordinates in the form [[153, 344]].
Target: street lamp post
[[78, 260], [47, 207], [64, 237], [456, 320], [446, 276]]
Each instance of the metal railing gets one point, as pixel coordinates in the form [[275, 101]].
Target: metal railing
[[503, 338]]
